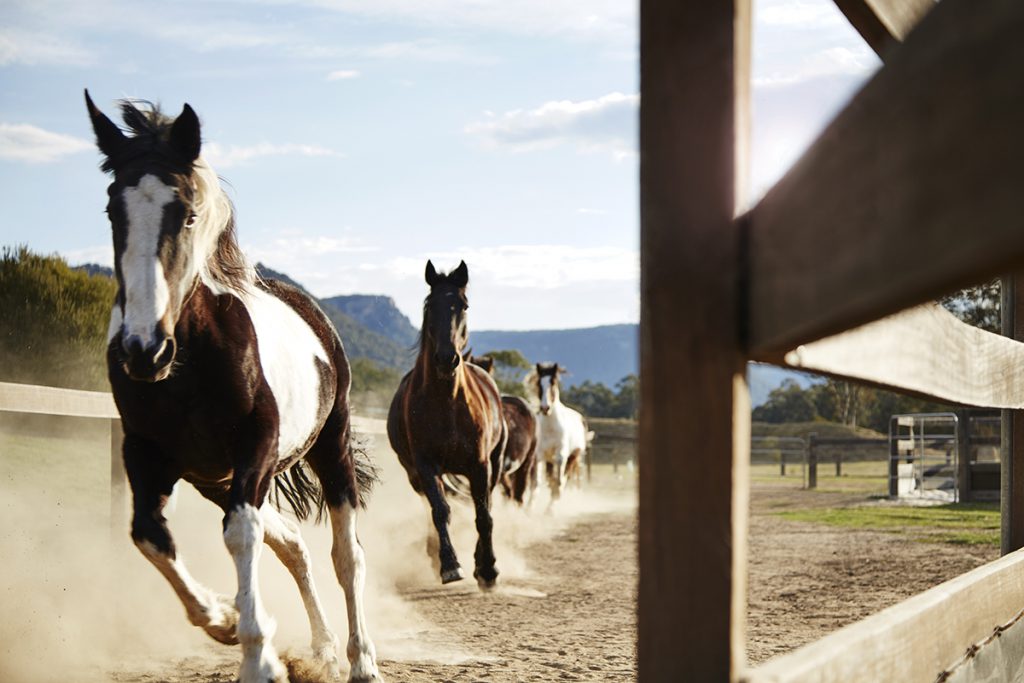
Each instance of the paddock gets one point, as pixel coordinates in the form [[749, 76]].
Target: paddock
[[813, 276]]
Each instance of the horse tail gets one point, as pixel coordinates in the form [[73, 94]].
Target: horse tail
[[301, 489], [367, 474]]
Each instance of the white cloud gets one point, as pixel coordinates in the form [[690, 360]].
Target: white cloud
[[543, 266], [220, 156], [343, 75], [602, 20], [798, 13], [855, 60], [606, 124], [24, 142], [591, 212], [38, 49]]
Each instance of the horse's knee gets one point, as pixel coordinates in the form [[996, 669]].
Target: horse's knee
[[150, 534], [243, 530]]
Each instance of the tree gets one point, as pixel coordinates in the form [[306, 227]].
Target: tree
[[627, 397], [510, 366], [786, 403], [978, 305], [591, 398], [53, 325]]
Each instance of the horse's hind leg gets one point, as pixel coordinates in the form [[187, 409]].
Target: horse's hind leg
[[284, 539], [152, 483], [485, 573], [332, 461]]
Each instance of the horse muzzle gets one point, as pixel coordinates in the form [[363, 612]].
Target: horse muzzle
[[148, 363]]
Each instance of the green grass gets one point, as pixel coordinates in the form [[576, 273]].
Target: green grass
[[964, 524]]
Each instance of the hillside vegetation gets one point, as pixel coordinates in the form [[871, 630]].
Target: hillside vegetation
[[53, 322]]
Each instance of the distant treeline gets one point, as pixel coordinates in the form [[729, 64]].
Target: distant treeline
[[53, 331], [842, 402]]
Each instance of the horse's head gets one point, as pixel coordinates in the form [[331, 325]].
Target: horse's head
[[547, 385], [444, 317], [163, 216], [485, 362]]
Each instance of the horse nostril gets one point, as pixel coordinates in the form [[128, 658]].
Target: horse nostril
[[165, 353]]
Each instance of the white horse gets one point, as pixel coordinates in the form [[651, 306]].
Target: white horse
[[562, 435]]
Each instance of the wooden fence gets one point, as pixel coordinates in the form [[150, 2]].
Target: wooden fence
[[28, 398], [925, 159]]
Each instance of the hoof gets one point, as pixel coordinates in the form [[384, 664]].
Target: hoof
[[372, 678], [452, 575], [486, 579], [223, 624]]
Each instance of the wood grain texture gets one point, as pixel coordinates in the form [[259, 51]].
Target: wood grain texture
[[927, 351], [30, 398], [883, 24], [912, 191], [913, 641], [1011, 470], [692, 515]]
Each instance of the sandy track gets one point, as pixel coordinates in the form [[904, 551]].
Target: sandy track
[[81, 607]]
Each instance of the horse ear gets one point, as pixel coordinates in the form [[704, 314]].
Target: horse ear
[[431, 274], [460, 276], [184, 137], [109, 137]]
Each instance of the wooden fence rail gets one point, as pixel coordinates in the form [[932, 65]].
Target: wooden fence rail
[[40, 400]]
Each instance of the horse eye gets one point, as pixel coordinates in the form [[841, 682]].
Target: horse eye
[[190, 221]]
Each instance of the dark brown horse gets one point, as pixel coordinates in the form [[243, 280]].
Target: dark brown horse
[[230, 383], [519, 466], [446, 418]]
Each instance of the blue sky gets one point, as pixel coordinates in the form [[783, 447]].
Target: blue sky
[[360, 138]]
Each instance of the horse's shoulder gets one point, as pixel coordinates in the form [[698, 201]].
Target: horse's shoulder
[[305, 306]]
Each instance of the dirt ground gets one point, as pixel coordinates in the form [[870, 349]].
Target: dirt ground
[[89, 608], [806, 580]]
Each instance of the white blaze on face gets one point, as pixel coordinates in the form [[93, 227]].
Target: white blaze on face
[[145, 287], [544, 389]]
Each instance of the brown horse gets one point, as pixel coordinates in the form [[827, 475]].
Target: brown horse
[[446, 417], [519, 466]]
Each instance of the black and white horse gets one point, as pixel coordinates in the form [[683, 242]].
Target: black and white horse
[[227, 382]]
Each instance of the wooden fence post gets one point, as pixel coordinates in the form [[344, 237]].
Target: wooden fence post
[[894, 462], [118, 482], [782, 463], [695, 406], [839, 464], [963, 455], [812, 461], [1011, 489]]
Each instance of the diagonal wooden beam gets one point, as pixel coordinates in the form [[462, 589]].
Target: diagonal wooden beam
[[912, 191], [884, 23], [926, 351]]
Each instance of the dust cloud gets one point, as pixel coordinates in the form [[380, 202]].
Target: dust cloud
[[81, 603]]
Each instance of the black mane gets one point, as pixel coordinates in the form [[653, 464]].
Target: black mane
[[150, 129]]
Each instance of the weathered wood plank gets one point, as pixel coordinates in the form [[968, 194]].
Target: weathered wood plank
[[912, 191], [691, 612], [927, 351], [29, 398], [1011, 474], [912, 641], [884, 23]]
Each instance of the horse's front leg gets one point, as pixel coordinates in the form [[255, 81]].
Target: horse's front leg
[[485, 573], [244, 532], [441, 514], [152, 479]]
